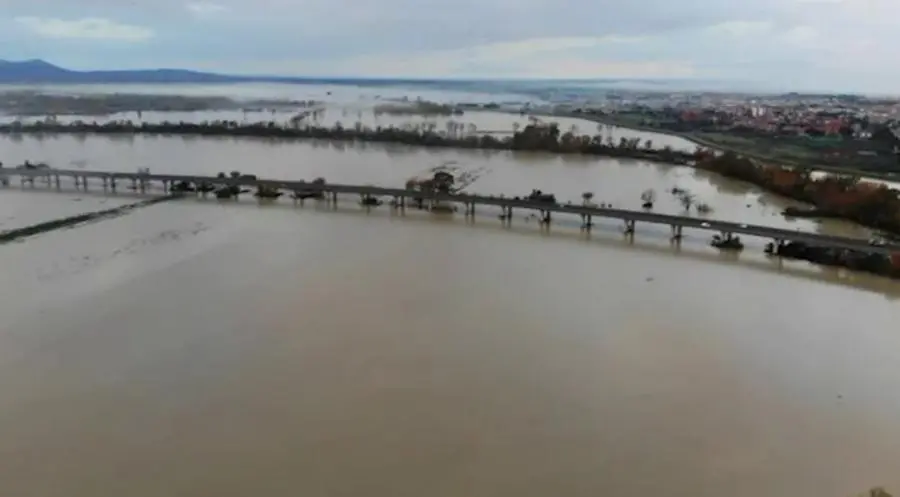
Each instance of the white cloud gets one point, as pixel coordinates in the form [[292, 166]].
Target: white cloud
[[567, 57], [205, 9], [802, 36], [495, 52], [741, 28], [844, 43], [92, 28]]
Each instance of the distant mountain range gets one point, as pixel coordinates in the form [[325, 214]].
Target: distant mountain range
[[38, 71]]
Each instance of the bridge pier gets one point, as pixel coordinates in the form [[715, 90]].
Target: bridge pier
[[629, 226], [676, 231], [84, 181], [775, 247], [112, 184], [56, 180], [143, 186], [587, 222], [134, 183]]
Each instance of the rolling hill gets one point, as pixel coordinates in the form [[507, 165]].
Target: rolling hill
[[39, 71]]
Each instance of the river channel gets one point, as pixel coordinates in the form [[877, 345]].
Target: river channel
[[203, 348]]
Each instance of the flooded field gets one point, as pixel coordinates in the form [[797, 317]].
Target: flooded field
[[204, 349], [233, 348], [479, 122], [23, 207], [348, 105]]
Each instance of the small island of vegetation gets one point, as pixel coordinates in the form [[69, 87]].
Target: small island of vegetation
[[418, 108]]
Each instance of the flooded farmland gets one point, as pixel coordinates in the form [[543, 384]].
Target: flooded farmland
[[209, 348]]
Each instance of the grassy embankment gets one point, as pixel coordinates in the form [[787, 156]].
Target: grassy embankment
[[68, 222]]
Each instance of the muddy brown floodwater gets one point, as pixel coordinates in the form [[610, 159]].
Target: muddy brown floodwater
[[210, 350], [199, 349]]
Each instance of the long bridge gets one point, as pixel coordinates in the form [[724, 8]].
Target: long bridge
[[141, 181]]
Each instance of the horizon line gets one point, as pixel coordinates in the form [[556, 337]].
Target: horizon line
[[737, 86]]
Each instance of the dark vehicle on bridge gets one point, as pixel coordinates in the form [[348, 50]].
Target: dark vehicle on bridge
[[539, 196], [314, 194], [29, 165]]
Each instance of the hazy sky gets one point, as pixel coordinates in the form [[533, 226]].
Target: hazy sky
[[844, 44]]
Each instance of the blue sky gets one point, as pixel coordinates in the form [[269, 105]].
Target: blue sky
[[827, 44]]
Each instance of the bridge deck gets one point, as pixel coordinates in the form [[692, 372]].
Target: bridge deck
[[773, 233]]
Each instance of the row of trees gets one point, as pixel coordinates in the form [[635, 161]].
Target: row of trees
[[534, 137], [871, 204]]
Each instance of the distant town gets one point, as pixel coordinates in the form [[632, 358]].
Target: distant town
[[817, 130]]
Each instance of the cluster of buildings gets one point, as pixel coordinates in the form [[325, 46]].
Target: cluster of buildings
[[846, 116]]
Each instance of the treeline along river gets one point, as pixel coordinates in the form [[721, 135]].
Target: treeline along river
[[535, 137]]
